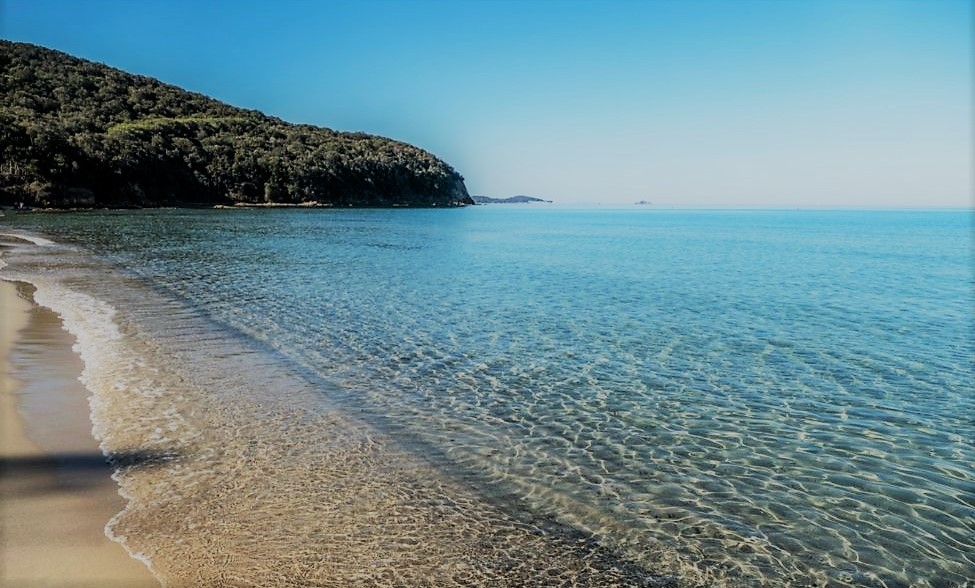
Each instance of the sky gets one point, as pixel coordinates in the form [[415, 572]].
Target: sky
[[699, 103]]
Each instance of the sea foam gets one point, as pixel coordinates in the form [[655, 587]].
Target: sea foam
[[99, 344]]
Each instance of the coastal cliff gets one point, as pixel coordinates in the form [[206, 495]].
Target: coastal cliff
[[74, 133]]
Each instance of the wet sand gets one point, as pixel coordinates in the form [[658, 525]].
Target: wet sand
[[56, 494]]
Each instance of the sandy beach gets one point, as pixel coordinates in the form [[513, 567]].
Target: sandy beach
[[57, 493]]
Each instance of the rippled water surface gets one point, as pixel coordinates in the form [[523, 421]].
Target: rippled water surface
[[623, 397]]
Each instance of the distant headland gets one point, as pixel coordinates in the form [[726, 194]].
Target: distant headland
[[520, 199], [78, 134]]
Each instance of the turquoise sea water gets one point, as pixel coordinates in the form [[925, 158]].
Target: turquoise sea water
[[711, 397]]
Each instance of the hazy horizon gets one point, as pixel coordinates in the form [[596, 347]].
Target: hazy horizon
[[683, 104]]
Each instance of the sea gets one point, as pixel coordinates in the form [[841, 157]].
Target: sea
[[532, 395]]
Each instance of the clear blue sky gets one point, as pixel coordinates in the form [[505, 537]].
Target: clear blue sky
[[699, 103]]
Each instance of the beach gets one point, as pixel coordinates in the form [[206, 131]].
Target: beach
[[57, 492], [349, 398], [240, 471]]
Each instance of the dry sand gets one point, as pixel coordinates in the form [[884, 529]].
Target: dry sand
[[56, 494]]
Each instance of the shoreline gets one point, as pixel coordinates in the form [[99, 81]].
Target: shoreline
[[265, 465], [349, 505], [57, 490]]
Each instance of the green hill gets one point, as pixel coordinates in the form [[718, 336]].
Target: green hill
[[74, 133]]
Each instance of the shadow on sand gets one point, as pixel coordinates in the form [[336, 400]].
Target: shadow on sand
[[60, 472]]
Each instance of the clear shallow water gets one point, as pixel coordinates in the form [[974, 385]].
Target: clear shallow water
[[760, 397]]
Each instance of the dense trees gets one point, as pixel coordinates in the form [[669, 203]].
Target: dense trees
[[77, 133]]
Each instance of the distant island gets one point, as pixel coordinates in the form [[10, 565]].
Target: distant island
[[74, 133], [520, 199]]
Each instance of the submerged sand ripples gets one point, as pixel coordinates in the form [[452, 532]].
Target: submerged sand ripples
[[265, 484], [627, 402]]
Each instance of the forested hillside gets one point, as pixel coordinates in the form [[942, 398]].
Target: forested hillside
[[74, 133]]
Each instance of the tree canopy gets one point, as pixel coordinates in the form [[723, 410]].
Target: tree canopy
[[74, 133]]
